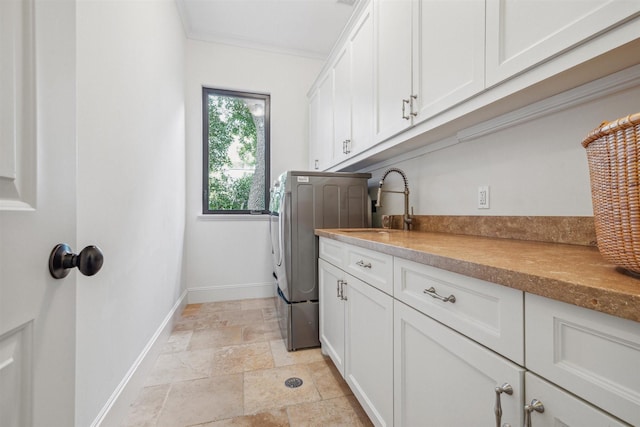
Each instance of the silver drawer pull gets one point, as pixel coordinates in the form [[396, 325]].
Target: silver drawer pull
[[404, 103], [504, 388], [432, 293], [535, 405], [363, 265]]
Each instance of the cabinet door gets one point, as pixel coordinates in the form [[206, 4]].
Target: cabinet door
[[523, 33], [448, 54], [369, 349], [332, 314], [392, 67], [362, 83], [442, 378], [314, 128], [562, 408], [325, 121], [342, 104]]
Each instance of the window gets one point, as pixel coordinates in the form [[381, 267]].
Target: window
[[235, 152]]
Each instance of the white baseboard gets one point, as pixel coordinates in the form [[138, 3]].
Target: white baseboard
[[230, 292], [117, 407]]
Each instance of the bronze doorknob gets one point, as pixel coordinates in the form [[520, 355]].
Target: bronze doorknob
[[89, 260]]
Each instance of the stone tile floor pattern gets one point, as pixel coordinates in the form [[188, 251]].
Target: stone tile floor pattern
[[225, 364]]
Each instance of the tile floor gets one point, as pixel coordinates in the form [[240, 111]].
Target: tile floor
[[225, 365]]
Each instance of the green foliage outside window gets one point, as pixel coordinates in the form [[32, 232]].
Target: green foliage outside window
[[236, 149]]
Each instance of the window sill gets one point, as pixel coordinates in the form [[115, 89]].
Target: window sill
[[233, 217]]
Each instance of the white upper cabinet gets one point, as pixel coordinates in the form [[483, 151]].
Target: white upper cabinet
[[314, 127], [430, 56], [393, 67], [422, 64], [448, 54], [321, 124], [353, 91], [362, 68], [342, 105], [524, 33]]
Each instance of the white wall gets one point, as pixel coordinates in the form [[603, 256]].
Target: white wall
[[131, 185], [230, 258], [537, 167]]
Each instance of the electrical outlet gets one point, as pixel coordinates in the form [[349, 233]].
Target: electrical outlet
[[483, 197]]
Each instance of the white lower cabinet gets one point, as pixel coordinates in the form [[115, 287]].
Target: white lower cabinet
[[331, 312], [356, 331], [415, 356], [369, 349], [593, 355], [442, 378], [556, 407]]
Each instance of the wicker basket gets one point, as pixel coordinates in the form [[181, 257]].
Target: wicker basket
[[613, 152]]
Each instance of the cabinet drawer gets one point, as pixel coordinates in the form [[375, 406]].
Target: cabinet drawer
[[562, 408], [593, 355], [371, 267], [488, 313], [332, 251]]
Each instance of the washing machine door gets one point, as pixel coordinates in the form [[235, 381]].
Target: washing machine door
[[274, 225], [278, 227]]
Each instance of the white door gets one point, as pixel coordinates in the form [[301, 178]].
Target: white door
[[442, 378], [393, 68], [342, 105], [514, 44], [362, 69], [37, 211], [448, 60], [331, 313], [325, 121], [369, 349], [314, 129]]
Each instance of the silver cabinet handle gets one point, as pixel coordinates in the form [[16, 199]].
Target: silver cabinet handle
[[316, 164], [362, 264], [346, 149], [411, 105], [535, 405], [432, 293], [342, 285], [404, 115], [504, 388], [338, 283]]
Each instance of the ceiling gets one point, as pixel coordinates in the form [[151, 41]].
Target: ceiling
[[300, 27]]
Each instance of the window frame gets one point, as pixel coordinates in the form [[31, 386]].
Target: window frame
[[206, 91]]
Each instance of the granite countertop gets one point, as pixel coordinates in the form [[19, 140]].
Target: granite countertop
[[573, 274]]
